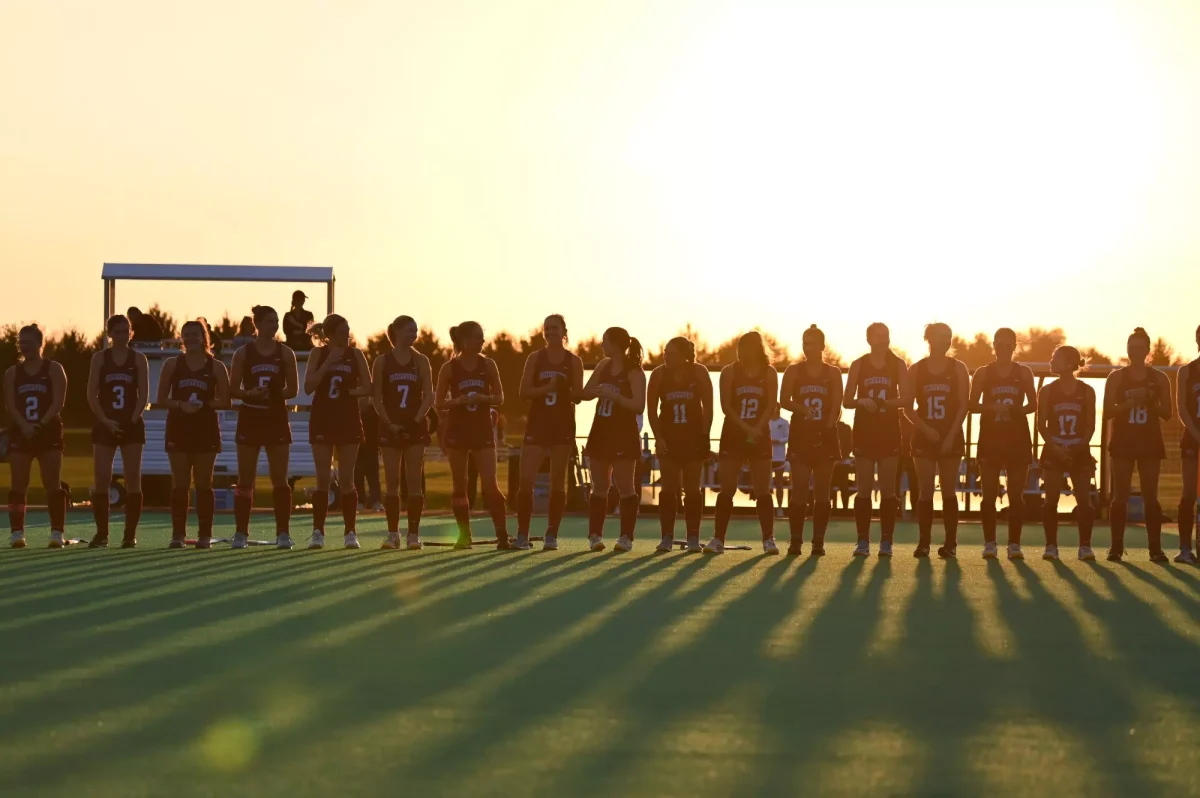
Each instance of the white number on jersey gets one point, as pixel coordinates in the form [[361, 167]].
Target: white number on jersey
[[604, 408], [935, 407], [552, 399], [879, 396], [1138, 415], [681, 414], [749, 408], [31, 408], [264, 381], [118, 397], [402, 389], [1066, 426], [816, 407], [1006, 400], [335, 386]]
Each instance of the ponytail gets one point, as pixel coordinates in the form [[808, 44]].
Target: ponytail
[[398, 324], [322, 330], [459, 332], [630, 346], [686, 346]]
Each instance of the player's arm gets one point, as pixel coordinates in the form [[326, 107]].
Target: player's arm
[[10, 401], [528, 389], [835, 397], [589, 391], [786, 391], [849, 396], [1043, 416], [377, 391], [237, 377], [652, 392], [637, 387], [317, 363], [1162, 397], [911, 411], [291, 374], [975, 402], [725, 384], [496, 398], [425, 375], [221, 398], [443, 402], [93, 386], [142, 367], [1183, 400], [1088, 422], [364, 374], [907, 395], [706, 399], [771, 401], [58, 391], [164, 384], [1030, 391]]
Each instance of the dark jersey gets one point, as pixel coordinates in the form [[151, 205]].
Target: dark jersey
[[199, 431], [551, 416], [1006, 438], [333, 396], [1189, 398], [34, 392], [193, 386], [470, 426], [939, 396], [118, 386], [401, 389], [877, 434], [680, 409], [817, 394], [264, 371], [1068, 413], [614, 433], [1137, 432], [751, 395]]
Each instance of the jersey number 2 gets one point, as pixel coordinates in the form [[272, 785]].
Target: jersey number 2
[[31, 408]]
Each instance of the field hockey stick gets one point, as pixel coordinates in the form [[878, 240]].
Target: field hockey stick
[[193, 542], [487, 542], [681, 544]]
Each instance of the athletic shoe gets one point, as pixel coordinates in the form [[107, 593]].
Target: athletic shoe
[[522, 543], [1159, 556], [204, 543], [623, 544], [316, 540], [1086, 554], [885, 548], [56, 540], [989, 550], [1014, 552], [595, 543], [863, 549], [413, 541], [1115, 555], [377, 507], [176, 543], [17, 540], [240, 541], [947, 552], [98, 543], [693, 544], [665, 546], [714, 546], [463, 542], [818, 549], [770, 547], [350, 541], [1051, 553], [129, 543], [1185, 556], [550, 542], [795, 548], [392, 541], [284, 541], [921, 552]]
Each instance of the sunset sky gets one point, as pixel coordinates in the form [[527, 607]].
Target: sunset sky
[[644, 163]]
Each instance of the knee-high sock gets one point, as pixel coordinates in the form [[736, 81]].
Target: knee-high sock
[[1187, 522], [281, 502], [179, 511], [320, 503], [1116, 522], [524, 510], [987, 518], [243, 505], [558, 503], [820, 515], [57, 501], [668, 509], [1016, 517], [133, 514], [349, 511], [924, 522], [950, 521], [887, 518], [862, 517], [1154, 526], [597, 510], [693, 511], [462, 515], [1085, 517], [629, 513], [723, 511], [1050, 525], [391, 510], [765, 505], [416, 505], [494, 500], [206, 502], [16, 510], [100, 513], [796, 513]]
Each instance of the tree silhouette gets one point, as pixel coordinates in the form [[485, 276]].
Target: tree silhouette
[[165, 320], [975, 354], [1037, 345]]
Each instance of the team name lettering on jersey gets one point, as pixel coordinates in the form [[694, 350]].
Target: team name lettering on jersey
[[344, 368], [264, 368], [476, 383], [118, 377], [679, 396], [551, 375], [869, 381], [753, 390], [1005, 390], [811, 389], [937, 386], [31, 388], [1068, 407], [402, 376], [189, 383]]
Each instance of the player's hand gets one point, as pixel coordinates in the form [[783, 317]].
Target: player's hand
[[1001, 410], [868, 404], [396, 429], [27, 429], [113, 426], [803, 412], [333, 353], [946, 444], [931, 434], [1138, 396], [607, 391], [753, 434]]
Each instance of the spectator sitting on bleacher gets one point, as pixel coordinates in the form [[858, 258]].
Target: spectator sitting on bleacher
[[245, 333], [296, 322], [146, 329]]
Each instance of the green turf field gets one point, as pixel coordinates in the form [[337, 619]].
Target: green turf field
[[443, 673]]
